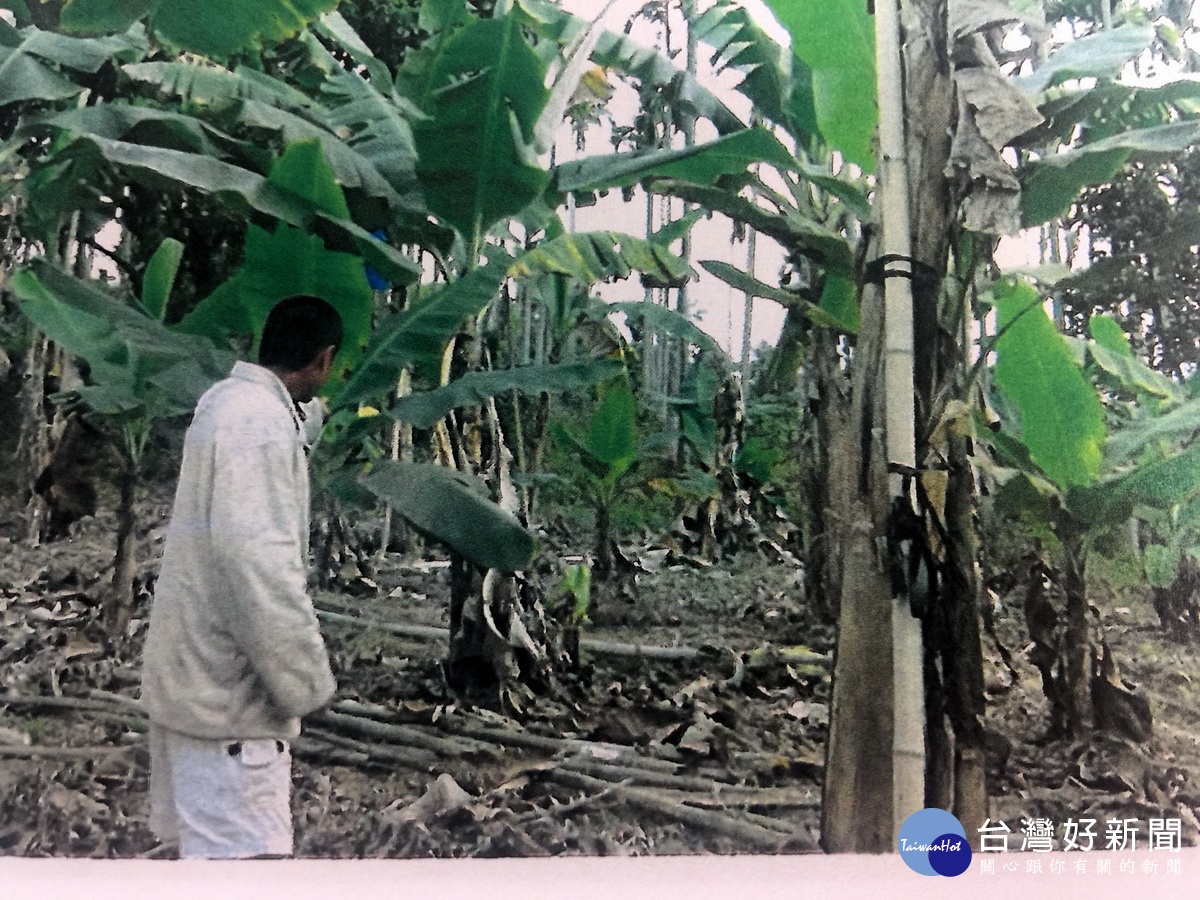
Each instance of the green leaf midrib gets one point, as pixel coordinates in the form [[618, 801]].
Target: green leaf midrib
[[498, 109]]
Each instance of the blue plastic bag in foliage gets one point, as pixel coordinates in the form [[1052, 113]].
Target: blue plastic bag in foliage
[[377, 281]]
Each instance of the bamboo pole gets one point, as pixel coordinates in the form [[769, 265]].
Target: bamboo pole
[[908, 710]]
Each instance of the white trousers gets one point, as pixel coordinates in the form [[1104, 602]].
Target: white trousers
[[221, 799]]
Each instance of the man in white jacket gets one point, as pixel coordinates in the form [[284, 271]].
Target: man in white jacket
[[234, 656]]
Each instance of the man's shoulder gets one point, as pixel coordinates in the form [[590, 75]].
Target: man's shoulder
[[241, 404], [234, 394]]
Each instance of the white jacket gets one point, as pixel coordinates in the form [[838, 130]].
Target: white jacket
[[234, 650]]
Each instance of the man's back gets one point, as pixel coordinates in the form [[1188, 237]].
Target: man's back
[[234, 650]]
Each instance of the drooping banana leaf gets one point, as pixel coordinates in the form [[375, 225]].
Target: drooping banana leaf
[[354, 170], [376, 122], [31, 60], [700, 164], [1052, 184], [144, 125], [1159, 484], [781, 89], [591, 257], [242, 187], [418, 335], [791, 229], [425, 409], [137, 366], [453, 509], [1110, 350], [838, 307], [1098, 55], [1180, 422], [215, 86], [1102, 110], [334, 27], [665, 320], [365, 135], [215, 28]]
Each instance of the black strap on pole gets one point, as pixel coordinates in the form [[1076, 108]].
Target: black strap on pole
[[921, 274]]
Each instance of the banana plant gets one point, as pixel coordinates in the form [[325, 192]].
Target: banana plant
[[1058, 465], [607, 451], [140, 374]]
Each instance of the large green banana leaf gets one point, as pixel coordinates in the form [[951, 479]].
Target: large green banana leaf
[[159, 278], [31, 61], [453, 509], [700, 164], [137, 366], [1062, 419], [612, 431], [291, 261], [248, 189], [485, 93], [836, 40], [425, 409], [216, 28]]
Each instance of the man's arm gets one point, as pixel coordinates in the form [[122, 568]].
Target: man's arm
[[257, 538]]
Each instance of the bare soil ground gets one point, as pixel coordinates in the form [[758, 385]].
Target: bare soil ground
[[721, 752]]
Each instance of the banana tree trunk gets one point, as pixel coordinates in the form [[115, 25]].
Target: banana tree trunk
[[502, 642], [119, 603], [33, 446], [857, 801], [1077, 645], [955, 773]]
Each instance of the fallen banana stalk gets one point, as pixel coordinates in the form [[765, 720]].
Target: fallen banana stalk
[[415, 747], [667, 759], [801, 656], [617, 771], [55, 752], [132, 718], [709, 820], [405, 735], [408, 757]]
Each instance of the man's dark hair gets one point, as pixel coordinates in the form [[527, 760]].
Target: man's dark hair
[[297, 329]]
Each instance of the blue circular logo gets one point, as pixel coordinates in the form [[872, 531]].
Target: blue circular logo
[[933, 842]]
